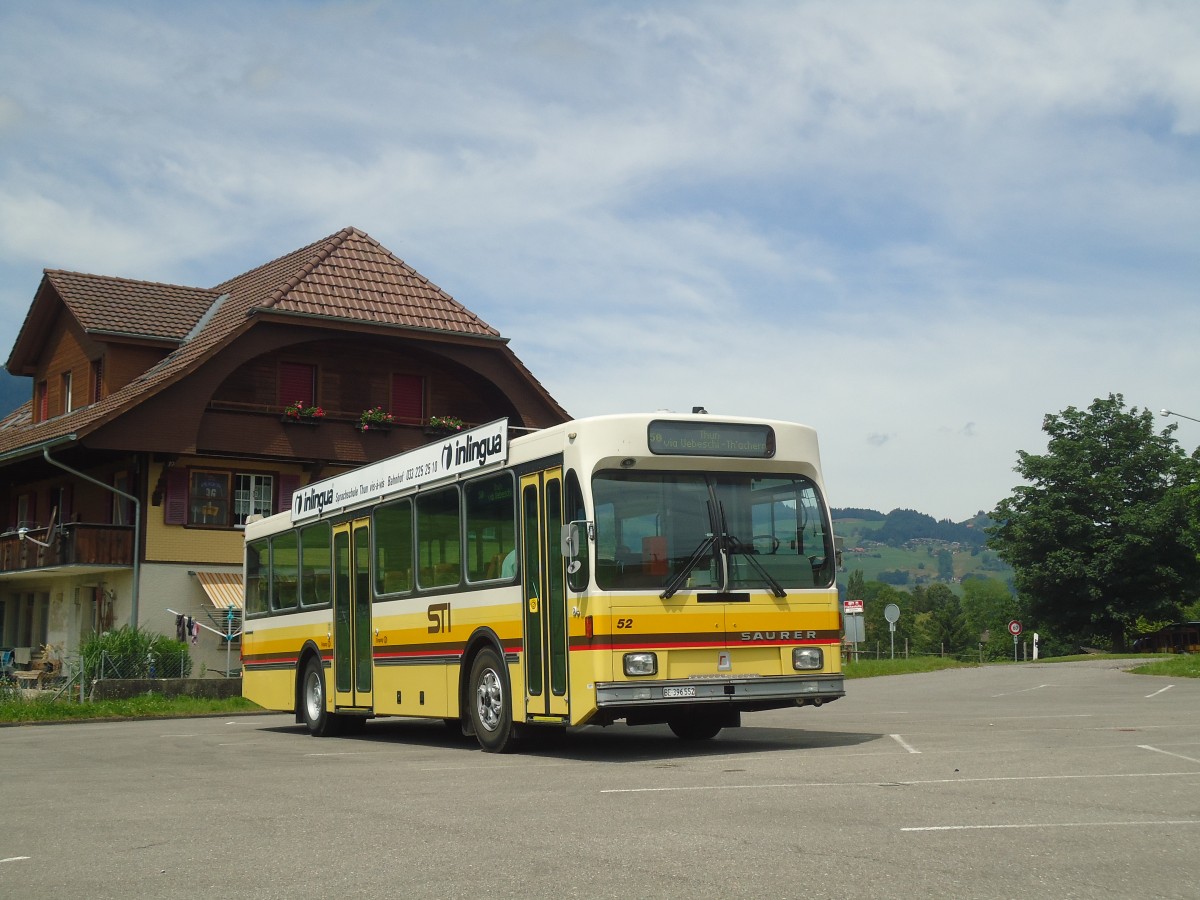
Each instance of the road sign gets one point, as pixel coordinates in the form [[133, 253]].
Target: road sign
[[891, 612], [853, 606], [1014, 628]]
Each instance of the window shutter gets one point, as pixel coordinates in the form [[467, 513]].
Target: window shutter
[[297, 381], [408, 397], [288, 485], [176, 504]]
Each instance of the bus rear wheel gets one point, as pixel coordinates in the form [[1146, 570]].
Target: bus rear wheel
[[317, 719], [491, 704]]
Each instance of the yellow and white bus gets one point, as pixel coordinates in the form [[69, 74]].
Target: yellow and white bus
[[655, 568]]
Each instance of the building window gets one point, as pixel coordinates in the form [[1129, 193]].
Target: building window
[[26, 509], [122, 507], [252, 495], [408, 397], [65, 388], [41, 402], [218, 499], [208, 498], [297, 382]]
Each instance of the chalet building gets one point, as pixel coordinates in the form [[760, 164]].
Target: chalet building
[[163, 416]]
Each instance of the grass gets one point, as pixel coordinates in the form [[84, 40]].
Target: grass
[[1184, 665], [27, 710]]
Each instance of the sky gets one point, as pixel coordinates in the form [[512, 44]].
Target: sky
[[918, 227]]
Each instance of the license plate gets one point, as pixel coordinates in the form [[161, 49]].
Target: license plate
[[679, 692]]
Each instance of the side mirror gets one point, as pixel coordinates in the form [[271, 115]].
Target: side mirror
[[569, 538]]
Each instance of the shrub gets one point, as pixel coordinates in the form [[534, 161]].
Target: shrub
[[130, 652]]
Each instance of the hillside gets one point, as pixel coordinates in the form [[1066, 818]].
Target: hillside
[[905, 548]]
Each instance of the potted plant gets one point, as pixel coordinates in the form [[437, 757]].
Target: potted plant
[[443, 425], [303, 413], [375, 419]]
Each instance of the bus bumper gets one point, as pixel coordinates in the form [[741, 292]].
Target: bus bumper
[[747, 694]]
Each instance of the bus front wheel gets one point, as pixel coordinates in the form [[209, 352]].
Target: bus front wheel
[[491, 704], [695, 728]]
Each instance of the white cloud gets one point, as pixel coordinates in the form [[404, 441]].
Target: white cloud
[[919, 227]]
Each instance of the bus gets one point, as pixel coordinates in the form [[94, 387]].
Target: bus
[[673, 569]]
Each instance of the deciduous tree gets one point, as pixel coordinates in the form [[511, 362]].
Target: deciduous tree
[[1100, 535]]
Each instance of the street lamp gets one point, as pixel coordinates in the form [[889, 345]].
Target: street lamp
[[1168, 412]]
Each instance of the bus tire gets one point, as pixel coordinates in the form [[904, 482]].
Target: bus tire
[[317, 719], [695, 728], [491, 704]]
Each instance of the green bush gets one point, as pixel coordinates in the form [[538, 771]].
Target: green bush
[[130, 652]]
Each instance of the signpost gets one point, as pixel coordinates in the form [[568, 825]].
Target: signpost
[[853, 622], [891, 612], [1014, 628]]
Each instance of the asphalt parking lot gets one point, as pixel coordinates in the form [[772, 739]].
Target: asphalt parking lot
[[1038, 780]]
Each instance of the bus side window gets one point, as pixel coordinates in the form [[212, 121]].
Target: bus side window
[[490, 507], [393, 548], [315, 564], [284, 553], [257, 558], [439, 542]]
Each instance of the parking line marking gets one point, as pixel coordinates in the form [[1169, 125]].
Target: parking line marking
[[1156, 693], [903, 743], [1023, 690], [1167, 753], [1055, 825], [821, 784]]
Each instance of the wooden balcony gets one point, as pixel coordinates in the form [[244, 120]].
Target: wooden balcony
[[73, 544]]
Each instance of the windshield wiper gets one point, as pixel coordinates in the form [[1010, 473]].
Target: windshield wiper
[[733, 545], [727, 543], [698, 554]]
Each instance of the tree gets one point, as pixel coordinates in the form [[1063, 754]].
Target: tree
[[989, 606], [856, 586], [1101, 534], [945, 565], [945, 628], [875, 600]]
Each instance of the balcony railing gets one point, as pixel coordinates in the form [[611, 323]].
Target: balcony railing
[[73, 544]]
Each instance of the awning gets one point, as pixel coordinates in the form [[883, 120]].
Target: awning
[[224, 589]]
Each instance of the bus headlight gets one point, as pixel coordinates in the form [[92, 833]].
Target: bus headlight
[[641, 663], [807, 658]]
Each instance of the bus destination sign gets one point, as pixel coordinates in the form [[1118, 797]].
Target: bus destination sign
[[711, 439], [464, 452]]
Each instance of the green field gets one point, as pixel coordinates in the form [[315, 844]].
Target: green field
[[919, 560]]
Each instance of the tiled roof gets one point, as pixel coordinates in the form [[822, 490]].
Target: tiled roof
[[350, 276], [135, 308], [347, 275]]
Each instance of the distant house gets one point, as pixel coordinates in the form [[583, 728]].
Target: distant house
[[1180, 637], [159, 422]]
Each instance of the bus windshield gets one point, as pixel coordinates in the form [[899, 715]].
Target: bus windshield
[[716, 531]]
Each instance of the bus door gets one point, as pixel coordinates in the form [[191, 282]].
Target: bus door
[[543, 578], [352, 643]]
